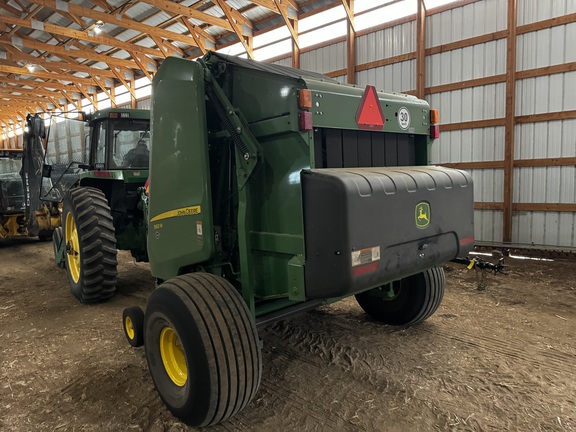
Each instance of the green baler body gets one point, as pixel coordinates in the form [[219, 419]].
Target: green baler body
[[207, 212]]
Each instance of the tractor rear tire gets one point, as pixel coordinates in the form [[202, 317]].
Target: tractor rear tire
[[415, 299], [91, 255], [133, 323], [56, 242], [202, 348]]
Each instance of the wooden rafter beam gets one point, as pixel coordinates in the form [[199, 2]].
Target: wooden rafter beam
[[140, 63], [66, 54], [103, 4], [105, 90], [160, 44], [45, 75], [10, 91], [288, 21], [165, 24], [31, 14], [245, 40], [121, 10], [195, 34], [38, 84], [62, 66], [8, 8], [74, 18], [190, 12], [349, 13], [271, 5], [76, 34], [87, 95], [125, 84], [124, 22]]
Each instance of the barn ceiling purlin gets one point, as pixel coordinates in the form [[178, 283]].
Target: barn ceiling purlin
[[54, 53]]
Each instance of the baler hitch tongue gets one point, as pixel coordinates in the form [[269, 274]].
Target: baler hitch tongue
[[481, 264]]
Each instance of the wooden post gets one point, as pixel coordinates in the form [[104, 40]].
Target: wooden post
[[132, 96], [420, 50], [509, 125], [295, 47], [350, 44]]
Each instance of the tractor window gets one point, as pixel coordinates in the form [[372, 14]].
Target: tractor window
[[100, 157], [131, 144]]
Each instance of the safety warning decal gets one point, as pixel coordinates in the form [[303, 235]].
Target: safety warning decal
[[403, 118], [365, 256]]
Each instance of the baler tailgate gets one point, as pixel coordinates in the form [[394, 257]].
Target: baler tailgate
[[365, 227]]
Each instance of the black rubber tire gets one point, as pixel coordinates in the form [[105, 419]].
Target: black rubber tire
[[220, 344], [56, 240], [97, 243], [134, 334], [419, 296]]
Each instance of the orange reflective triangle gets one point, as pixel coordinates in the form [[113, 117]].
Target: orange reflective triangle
[[370, 114]]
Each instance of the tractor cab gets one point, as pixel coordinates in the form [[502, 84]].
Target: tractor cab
[[110, 144], [120, 140]]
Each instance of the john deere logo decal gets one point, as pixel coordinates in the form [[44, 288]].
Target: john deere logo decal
[[422, 215]]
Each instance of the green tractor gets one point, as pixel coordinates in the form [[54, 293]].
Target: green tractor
[[97, 166], [273, 191]]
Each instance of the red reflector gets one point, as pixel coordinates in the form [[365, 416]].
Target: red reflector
[[370, 114], [467, 241], [368, 268], [435, 131], [147, 186], [305, 121], [101, 173]]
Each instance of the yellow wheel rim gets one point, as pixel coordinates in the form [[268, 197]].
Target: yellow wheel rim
[[129, 325], [72, 248], [173, 357]]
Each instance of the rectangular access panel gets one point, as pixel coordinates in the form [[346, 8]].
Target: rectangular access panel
[[365, 227]]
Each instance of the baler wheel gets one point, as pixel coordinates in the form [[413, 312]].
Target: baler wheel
[[408, 301], [56, 240], [202, 348], [133, 324], [91, 252]]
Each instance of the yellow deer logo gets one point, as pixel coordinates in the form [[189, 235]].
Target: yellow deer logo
[[422, 215]]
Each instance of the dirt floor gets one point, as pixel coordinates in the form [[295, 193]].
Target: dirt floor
[[499, 359]]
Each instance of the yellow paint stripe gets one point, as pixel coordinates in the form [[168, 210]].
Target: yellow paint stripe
[[184, 211]]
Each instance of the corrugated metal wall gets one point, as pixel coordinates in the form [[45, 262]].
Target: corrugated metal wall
[[383, 44], [325, 59], [552, 93], [476, 103], [284, 62], [144, 104]]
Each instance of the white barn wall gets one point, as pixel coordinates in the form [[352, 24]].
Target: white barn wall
[[476, 103], [400, 77], [284, 62], [144, 103], [464, 22], [325, 59], [386, 43], [546, 94]]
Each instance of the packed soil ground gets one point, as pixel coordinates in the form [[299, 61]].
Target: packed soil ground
[[503, 358]]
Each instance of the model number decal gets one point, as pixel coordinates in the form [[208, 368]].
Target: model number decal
[[184, 211], [365, 256]]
